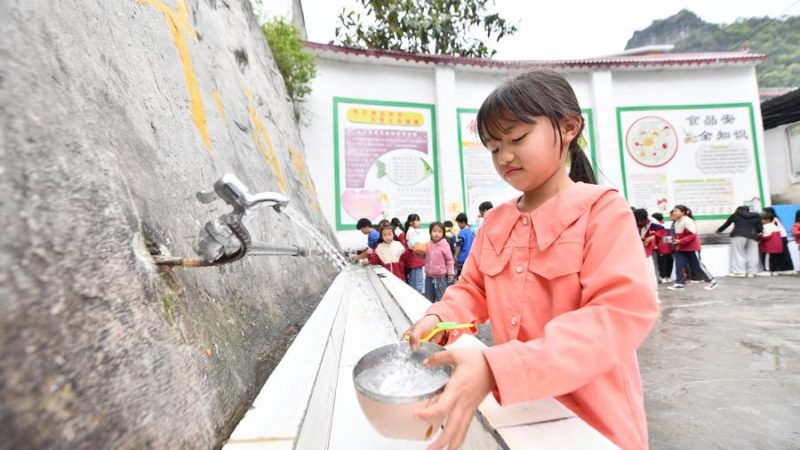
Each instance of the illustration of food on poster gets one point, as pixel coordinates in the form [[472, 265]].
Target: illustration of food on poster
[[385, 161], [703, 157], [480, 179]]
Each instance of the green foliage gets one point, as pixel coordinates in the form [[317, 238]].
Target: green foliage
[[670, 30], [294, 62], [779, 39], [445, 27]]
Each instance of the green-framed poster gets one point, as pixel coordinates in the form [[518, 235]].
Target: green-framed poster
[[385, 160], [479, 180], [702, 156]]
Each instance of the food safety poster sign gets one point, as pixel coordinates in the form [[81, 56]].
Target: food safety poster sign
[[701, 156], [480, 181], [385, 161]]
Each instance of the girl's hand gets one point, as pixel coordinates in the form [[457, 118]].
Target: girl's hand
[[421, 328], [471, 382], [451, 278]]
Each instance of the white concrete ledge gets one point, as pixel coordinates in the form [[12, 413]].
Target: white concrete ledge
[[309, 401]]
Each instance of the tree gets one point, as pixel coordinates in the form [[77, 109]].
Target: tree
[[444, 27], [293, 61]]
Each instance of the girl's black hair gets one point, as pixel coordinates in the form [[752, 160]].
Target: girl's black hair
[[686, 211], [411, 218], [797, 216], [396, 223], [436, 224], [535, 93], [770, 212]]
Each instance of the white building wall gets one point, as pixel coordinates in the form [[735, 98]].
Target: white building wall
[[454, 87], [778, 162], [684, 87]]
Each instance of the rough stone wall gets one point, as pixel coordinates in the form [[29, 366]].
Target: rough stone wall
[[113, 113]]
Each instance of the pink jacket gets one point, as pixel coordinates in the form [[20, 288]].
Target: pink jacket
[[439, 260], [570, 299]]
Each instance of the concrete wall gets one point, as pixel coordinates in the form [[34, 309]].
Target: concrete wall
[[112, 115], [784, 183]]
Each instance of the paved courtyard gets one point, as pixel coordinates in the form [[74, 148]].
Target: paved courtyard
[[721, 368]]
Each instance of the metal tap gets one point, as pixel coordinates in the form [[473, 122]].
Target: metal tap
[[226, 239]]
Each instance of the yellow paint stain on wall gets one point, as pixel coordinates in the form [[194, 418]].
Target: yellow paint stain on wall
[[261, 139], [385, 117], [178, 22], [218, 99], [308, 183]]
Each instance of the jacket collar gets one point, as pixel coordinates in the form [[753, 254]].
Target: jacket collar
[[549, 220]]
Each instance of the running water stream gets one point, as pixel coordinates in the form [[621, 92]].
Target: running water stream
[[325, 245]]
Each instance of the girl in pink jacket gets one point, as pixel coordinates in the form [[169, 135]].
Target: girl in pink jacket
[[439, 267], [559, 272]]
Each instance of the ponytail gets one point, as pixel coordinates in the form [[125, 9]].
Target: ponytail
[[580, 169]]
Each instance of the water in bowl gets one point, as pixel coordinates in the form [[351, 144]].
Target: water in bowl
[[402, 378]]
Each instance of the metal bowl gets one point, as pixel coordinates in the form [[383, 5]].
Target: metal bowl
[[391, 413]]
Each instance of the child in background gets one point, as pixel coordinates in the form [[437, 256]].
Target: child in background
[[415, 257], [648, 232], [463, 242], [389, 253], [687, 248], [483, 208], [439, 272], [770, 246], [796, 229], [558, 271], [450, 236], [399, 231], [783, 261], [373, 238], [663, 250]]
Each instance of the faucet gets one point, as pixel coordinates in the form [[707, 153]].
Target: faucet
[[236, 194], [226, 239]]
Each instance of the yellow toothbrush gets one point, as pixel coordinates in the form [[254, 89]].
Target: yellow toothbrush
[[444, 326]]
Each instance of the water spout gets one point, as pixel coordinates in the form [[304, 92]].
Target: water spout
[[226, 239]]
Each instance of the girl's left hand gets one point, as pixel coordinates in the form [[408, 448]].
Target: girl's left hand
[[451, 278], [471, 382]]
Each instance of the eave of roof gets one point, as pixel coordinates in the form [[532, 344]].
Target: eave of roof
[[633, 61], [781, 110]]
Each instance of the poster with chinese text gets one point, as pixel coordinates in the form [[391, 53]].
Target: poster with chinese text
[[385, 161], [701, 156]]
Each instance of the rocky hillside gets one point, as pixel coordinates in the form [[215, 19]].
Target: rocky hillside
[[779, 39]]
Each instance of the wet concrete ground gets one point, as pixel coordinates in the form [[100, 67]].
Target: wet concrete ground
[[721, 368]]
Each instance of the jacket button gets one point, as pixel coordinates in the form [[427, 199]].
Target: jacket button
[[524, 220], [520, 269], [514, 321]]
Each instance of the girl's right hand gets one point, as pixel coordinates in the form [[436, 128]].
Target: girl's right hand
[[421, 328]]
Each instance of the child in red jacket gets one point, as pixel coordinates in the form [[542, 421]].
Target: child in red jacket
[[663, 250], [389, 253], [687, 249], [770, 245]]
